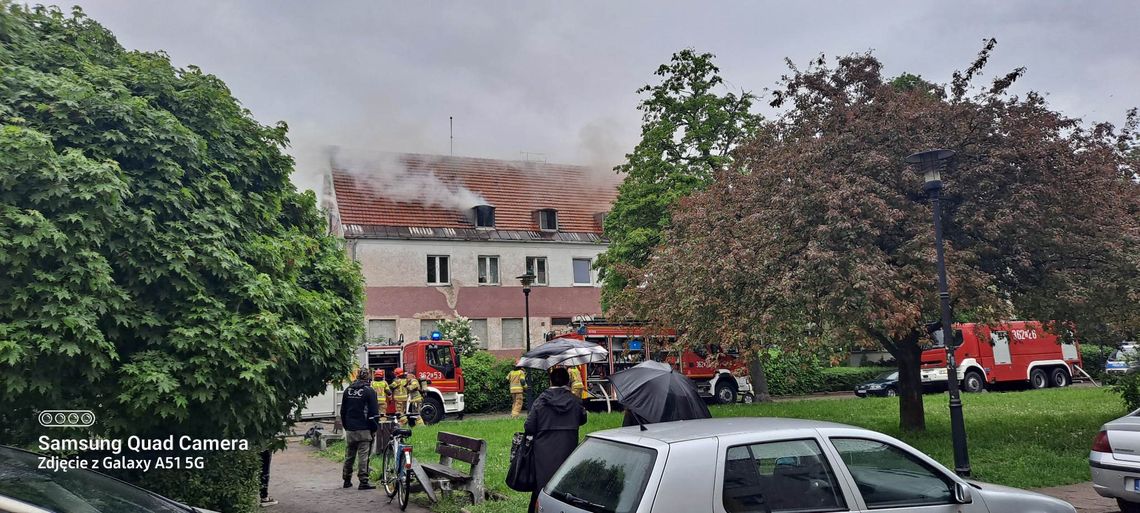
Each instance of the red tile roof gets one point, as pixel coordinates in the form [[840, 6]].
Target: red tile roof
[[385, 197]]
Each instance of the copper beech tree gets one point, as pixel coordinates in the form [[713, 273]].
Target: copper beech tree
[[819, 235]]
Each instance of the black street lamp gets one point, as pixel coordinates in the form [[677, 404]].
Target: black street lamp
[[526, 280], [930, 165]]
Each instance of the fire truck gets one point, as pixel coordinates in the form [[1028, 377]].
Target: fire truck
[[1008, 352], [719, 375], [434, 361]]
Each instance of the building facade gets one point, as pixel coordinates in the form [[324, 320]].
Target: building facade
[[425, 257]]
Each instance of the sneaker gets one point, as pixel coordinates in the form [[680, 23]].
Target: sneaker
[[365, 486], [267, 501], [347, 483]]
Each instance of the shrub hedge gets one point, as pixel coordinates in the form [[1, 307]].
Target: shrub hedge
[[1094, 357]]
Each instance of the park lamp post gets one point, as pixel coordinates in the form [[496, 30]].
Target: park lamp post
[[526, 280], [929, 165]]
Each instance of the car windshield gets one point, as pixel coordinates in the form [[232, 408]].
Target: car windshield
[[603, 476], [74, 491], [888, 376]]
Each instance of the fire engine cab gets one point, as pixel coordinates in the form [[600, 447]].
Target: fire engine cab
[[720, 376], [434, 361], [1014, 351]]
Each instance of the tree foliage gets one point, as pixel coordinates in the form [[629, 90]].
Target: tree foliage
[[820, 235], [689, 128], [458, 331], [158, 267]]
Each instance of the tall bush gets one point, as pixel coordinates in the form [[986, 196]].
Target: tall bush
[[486, 383]]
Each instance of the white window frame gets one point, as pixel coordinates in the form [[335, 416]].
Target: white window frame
[[446, 259], [589, 272], [480, 260], [545, 276]]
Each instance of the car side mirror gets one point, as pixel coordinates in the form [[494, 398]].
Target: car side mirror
[[962, 493]]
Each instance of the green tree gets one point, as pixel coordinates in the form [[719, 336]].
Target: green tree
[[689, 127], [821, 235], [158, 266], [458, 331]]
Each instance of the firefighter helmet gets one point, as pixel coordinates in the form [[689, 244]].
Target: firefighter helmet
[[379, 374], [399, 371]]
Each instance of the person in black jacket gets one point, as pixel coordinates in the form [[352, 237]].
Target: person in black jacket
[[358, 413], [553, 422]]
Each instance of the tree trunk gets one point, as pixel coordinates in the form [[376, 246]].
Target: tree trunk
[[759, 381], [908, 356]]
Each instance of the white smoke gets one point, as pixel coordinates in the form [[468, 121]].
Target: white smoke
[[391, 176]]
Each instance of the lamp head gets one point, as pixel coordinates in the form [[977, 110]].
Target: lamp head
[[526, 279], [930, 164]]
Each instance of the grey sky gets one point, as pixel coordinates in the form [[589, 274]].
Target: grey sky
[[559, 77]]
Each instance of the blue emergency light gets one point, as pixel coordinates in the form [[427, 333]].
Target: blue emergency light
[[435, 335]]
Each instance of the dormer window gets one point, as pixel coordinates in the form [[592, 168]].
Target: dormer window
[[548, 220], [484, 216]]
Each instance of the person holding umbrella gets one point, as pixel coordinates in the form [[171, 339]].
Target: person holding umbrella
[[553, 421], [654, 392]]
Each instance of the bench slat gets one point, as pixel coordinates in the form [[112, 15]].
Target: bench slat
[[444, 470], [466, 442], [457, 453]]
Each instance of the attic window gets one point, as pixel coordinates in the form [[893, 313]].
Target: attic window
[[484, 216], [548, 220]]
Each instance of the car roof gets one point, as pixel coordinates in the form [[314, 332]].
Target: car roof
[[682, 430]]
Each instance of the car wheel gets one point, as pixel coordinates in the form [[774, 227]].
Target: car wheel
[[432, 410], [973, 382], [891, 392], [725, 392], [1037, 379], [1059, 378], [1127, 507]]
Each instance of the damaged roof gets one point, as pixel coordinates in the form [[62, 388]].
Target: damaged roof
[[412, 196]]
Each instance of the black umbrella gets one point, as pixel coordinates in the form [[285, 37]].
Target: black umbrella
[[563, 351], [657, 393]]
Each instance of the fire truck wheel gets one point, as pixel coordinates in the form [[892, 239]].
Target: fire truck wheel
[[725, 392], [1059, 378], [973, 382], [432, 410], [1037, 379], [748, 398]]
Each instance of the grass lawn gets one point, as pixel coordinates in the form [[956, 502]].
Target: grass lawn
[[1028, 439]]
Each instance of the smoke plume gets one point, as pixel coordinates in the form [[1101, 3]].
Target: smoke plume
[[390, 176]]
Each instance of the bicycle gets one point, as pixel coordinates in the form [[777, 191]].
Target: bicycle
[[396, 464]]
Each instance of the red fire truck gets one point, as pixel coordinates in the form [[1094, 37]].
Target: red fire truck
[[431, 360], [721, 376], [1013, 351]]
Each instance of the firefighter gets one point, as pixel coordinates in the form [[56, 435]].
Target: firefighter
[[381, 387], [400, 395], [517, 381], [415, 398], [576, 382]]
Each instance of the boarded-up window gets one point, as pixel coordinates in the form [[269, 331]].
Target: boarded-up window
[[479, 329], [513, 334], [381, 330], [427, 326]]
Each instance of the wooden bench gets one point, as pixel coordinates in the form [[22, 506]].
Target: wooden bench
[[452, 447], [323, 438]]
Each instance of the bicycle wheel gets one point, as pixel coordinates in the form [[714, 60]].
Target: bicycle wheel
[[388, 472], [405, 483]]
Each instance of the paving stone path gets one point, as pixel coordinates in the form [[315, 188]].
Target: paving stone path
[[303, 482], [1082, 497]]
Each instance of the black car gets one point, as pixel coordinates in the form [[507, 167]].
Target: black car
[[26, 488], [883, 385]]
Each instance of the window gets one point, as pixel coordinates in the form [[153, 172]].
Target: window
[[513, 336], [603, 476], [548, 219], [484, 216], [790, 475], [537, 267], [381, 330], [427, 326], [440, 358], [581, 271], [437, 273], [479, 330], [889, 477], [488, 270]]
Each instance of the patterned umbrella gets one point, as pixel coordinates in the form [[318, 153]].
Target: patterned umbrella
[[563, 351]]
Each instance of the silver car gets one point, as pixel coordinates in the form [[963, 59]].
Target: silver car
[[1115, 462], [767, 465]]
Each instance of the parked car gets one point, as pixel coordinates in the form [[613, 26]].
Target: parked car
[[1124, 360], [25, 488], [883, 385], [767, 465], [1115, 462]]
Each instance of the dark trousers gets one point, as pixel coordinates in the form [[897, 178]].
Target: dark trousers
[[357, 449], [266, 457]]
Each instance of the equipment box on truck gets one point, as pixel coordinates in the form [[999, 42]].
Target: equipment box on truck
[[1008, 352]]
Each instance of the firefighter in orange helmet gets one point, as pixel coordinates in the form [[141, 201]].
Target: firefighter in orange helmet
[[381, 386], [400, 395]]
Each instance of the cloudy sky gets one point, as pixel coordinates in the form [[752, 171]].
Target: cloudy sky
[[559, 78]]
